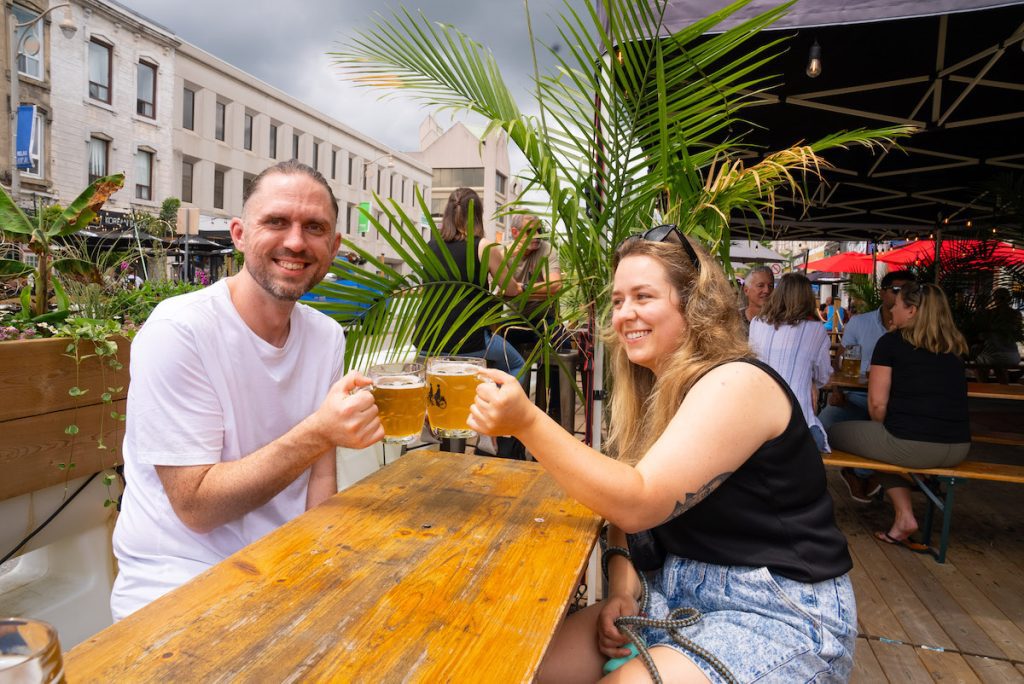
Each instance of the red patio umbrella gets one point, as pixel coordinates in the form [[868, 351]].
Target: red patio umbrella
[[847, 262], [922, 252]]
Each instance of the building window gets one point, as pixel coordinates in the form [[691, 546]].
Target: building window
[[500, 182], [348, 218], [186, 181], [247, 132], [295, 145], [218, 189], [350, 169], [247, 180], [459, 178], [188, 110], [99, 150], [30, 35], [378, 181], [334, 164], [99, 71], [145, 80], [35, 146], [222, 115], [316, 155], [402, 200], [273, 141], [143, 175]]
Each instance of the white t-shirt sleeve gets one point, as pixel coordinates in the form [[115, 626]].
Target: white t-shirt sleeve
[[179, 419]]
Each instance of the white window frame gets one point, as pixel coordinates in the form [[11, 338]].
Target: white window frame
[[141, 153], [35, 30], [37, 147]]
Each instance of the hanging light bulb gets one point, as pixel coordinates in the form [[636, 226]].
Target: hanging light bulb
[[814, 61], [968, 223]]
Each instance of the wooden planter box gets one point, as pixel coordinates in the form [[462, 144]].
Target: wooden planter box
[[35, 409]]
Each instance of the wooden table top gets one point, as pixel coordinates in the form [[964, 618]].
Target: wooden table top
[[439, 567], [977, 390]]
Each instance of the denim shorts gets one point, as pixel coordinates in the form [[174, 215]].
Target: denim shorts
[[762, 626]]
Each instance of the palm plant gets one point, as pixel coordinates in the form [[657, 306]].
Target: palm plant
[[630, 131], [41, 234]]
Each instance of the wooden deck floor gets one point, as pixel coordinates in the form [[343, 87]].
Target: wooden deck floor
[[920, 621]]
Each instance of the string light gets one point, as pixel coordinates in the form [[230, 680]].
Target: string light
[[814, 61]]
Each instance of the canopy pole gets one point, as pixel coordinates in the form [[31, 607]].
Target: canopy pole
[[938, 249], [874, 263]]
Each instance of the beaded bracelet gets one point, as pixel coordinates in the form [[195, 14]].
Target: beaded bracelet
[[613, 551]]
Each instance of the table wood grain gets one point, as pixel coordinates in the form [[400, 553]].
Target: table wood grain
[[439, 567]]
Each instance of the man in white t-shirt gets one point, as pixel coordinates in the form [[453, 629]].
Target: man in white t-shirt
[[237, 399]]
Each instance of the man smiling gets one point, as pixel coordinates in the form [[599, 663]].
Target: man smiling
[[237, 399]]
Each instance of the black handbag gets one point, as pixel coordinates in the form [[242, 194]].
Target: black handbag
[[645, 550]]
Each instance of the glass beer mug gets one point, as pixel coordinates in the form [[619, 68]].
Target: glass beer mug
[[451, 389], [400, 392], [29, 652], [851, 361]]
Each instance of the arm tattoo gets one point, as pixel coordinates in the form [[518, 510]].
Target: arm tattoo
[[694, 498]]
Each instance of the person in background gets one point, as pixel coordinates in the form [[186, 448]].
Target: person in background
[[863, 330], [757, 288], [788, 336], [538, 265], [917, 398], [237, 400], [717, 466], [464, 212], [1000, 328], [835, 315]]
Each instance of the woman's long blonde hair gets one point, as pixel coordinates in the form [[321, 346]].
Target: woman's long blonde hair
[[641, 404], [932, 327]]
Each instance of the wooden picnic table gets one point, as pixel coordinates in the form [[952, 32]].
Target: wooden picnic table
[[976, 390], [438, 567]]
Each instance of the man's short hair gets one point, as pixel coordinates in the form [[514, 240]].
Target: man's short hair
[[767, 270], [521, 221], [291, 166], [893, 276]]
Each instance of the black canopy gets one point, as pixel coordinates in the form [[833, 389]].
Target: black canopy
[[953, 68]]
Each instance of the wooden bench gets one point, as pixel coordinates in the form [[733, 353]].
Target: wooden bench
[[950, 477]]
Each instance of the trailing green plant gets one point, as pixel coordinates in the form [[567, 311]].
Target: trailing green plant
[[91, 338], [169, 212], [41, 234], [631, 130]]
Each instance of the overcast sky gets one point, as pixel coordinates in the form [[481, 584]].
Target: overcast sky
[[286, 43]]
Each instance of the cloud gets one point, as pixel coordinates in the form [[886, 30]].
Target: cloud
[[287, 46]]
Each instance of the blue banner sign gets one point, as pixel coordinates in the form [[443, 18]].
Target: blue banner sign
[[26, 122]]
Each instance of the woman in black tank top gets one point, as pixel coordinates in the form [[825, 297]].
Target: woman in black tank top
[[716, 474]]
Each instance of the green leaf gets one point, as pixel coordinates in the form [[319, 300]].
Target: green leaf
[[62, 466], [82, 210], [108, 479], [71, 430], [76, 391], [105, 397]]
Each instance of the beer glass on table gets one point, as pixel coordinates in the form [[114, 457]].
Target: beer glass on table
[[29, 652], [851, 361], [400, 392], [451, 389]]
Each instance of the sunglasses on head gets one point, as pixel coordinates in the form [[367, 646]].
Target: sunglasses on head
[[894, 288], [662, 233]]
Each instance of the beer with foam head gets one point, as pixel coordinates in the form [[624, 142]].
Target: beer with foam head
[[400, 392], [451, 389]]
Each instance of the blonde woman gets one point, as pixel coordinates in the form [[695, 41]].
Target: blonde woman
[[714, 460], [917, 398], [788, 336]]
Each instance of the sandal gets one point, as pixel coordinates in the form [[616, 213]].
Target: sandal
[[908, 543]]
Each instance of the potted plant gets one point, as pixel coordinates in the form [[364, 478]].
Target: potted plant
[[630, 132]]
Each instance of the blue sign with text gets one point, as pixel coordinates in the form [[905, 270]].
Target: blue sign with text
[[26, 121]]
